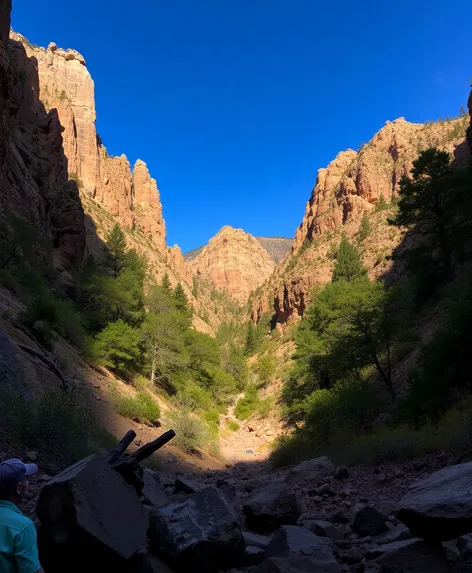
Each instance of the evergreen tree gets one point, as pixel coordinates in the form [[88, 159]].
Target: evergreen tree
[[250, 339], [166, 285], [348, 265], [435, 203], [116, 250], [366, 229], [180, 298]]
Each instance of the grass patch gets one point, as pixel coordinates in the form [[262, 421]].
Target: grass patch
[[191, 431], [233, 426], [141, 408], [384, 443], [61, 423]]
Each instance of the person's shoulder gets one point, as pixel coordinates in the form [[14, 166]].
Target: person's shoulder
[[17, 521]]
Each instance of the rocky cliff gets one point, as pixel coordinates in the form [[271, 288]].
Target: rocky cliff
[[34, 178], [130, 195], [56, 172], [350, 186], [235, 262]]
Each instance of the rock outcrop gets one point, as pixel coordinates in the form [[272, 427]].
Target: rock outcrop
[[65, 84], [351, 185], [33, 166], [234, 262]]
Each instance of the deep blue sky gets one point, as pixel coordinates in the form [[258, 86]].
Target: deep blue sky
[[235, 104]]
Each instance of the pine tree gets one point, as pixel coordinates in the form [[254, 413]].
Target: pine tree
[[116, 250], [250, 339], [382, 203], [180, 298], [166, 285], [365, 227], [348, 265]]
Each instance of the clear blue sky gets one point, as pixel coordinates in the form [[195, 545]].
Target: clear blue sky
[[235, 104]]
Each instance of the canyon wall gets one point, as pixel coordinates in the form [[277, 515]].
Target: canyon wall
[[130, 195], [34, 178], [350, 186]]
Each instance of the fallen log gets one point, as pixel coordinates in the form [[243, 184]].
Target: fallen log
[[115, 454], [129, 467], [148, 449], [51, 365]]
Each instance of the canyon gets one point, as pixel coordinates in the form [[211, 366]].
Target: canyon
[[54, 159]]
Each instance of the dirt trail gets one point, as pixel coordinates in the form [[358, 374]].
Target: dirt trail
[[251, 442]]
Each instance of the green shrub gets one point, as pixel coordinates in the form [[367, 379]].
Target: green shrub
[[60, 421], [233, 426], [212, 418], [141, 408], [191, 432], [265, 368], [45, 313], [247, 406], [141, 382]]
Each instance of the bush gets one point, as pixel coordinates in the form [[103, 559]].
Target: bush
[[141, 408], [45, 313], [212, 418], [247, 405], [265, 368], [59, 421], [190, 431], [233, 426], [141, 382]]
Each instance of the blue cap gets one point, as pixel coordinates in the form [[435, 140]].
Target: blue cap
[[13, 471]]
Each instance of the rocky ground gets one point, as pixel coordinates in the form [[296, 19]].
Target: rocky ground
[[312, 517]]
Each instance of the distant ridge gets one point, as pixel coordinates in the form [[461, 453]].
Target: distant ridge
[[277, 247]]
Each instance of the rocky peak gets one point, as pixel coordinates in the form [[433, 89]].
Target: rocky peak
[[66, 85], [235, 262]]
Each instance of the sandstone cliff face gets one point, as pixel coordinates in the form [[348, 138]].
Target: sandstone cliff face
[[131, 196], [350, 186], [469, 129], [235, 262], [34, 180]]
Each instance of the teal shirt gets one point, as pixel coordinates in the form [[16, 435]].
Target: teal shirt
[[18, 541]]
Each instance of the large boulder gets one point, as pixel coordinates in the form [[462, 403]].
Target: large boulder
[[90, 510], [271, 506], [368, 521], [311, 470], [301, 550], [200, 534], [153, 492], [439, 507], [409, 556]]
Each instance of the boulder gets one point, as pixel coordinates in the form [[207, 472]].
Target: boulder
[[368, 521], [253, 555], [464, 548], [311, 470], [187, 485], [201, 533], [326, 489], [398, 533], [385, 508], [341, 473], [439, 507], [325, 529], [90, 506], [271, 506], [409, 556], [302, 550], [340, 515], [153, 492], [256, 540], [146, 563], [351, 555]]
